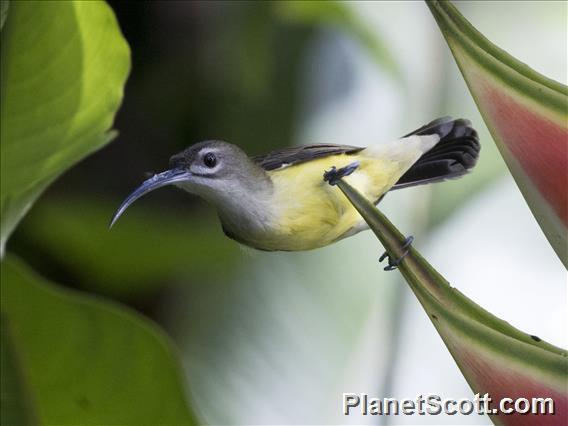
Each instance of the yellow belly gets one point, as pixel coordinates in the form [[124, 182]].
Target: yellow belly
[[312, 213]]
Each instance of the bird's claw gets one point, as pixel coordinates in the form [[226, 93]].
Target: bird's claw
[[334, 175], [393, 264]]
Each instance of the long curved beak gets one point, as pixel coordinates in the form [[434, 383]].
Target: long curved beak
[[157, 181]]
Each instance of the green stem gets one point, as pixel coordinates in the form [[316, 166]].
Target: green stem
[[431, 288]]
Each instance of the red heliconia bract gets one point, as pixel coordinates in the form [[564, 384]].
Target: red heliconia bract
[[527, 115]]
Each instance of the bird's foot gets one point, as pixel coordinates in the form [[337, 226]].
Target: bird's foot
[[393, 264], [334, 175]]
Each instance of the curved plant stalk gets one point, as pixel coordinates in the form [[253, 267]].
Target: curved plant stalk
[[527, 115], [493, 356]]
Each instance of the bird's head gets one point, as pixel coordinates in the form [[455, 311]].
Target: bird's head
[[212, 169]]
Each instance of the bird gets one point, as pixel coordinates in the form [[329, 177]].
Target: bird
[[280, 201]]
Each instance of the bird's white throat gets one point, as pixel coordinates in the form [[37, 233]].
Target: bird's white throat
[[243, 209]]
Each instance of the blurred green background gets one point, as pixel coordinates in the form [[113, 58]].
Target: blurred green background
[[278, 337]]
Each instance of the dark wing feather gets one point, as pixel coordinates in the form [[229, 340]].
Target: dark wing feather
[[451, 158], [300, 154]]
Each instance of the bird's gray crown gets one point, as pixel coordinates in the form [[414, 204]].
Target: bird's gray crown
[[218, 159], [190, 154]]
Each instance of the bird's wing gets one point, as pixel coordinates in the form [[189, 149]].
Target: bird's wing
[[300, 154]]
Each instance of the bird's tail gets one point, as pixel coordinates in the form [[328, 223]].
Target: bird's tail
[[452, 157]]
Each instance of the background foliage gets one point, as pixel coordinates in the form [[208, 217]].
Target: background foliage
[[264, 77], [68, 357]]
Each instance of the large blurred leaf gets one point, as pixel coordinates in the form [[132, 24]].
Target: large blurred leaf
[[493, 356], [63, 67], [145, 250], [527, 115], [78, 359]]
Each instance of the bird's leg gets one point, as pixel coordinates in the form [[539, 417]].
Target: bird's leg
[[393, 264], [334, 175]]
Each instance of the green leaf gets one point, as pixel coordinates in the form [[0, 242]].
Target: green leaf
[[81, 359], [493, 356], [527, 115], [63, 68], [340, 15]]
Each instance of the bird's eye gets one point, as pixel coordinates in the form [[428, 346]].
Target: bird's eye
[[210, 160]]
